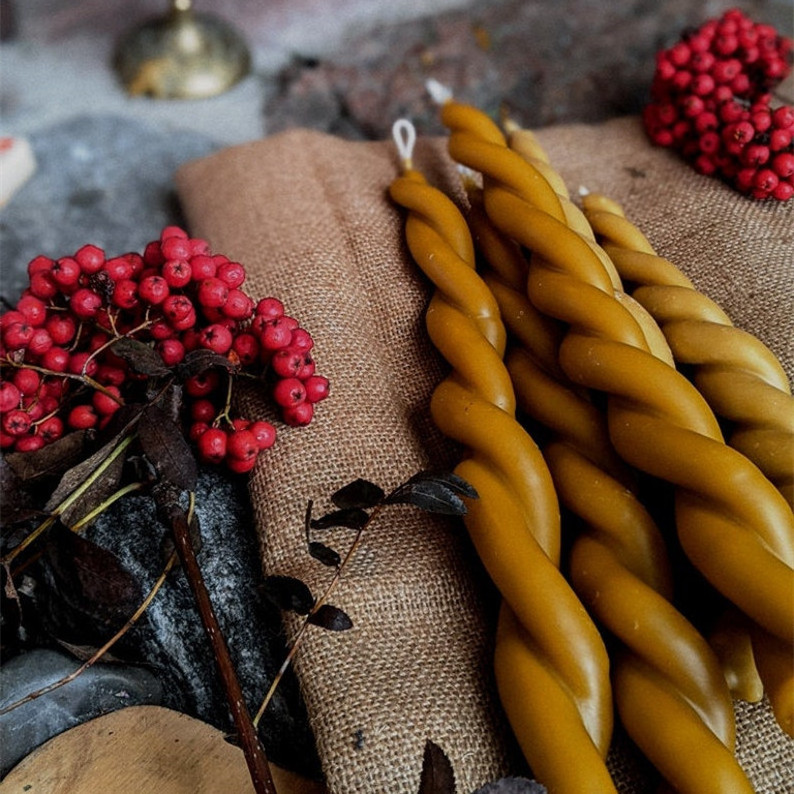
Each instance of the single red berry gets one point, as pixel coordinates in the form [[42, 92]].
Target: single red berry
[[85, 303], [61, 327], [240, 423], [298, 415], [51, 429], [27, 381], [56, 359], [40, 264], [177, 307], [232, 274], [6, 441], [16, 422], [198, 246], [152, 255], [264, 433], [217, 338], [202, 267], [238, 305], [186, 322], [125, 293], [11, 317], [203, 410], [706, 121], [766, 180], [17, 335], [740, 85], [196, 430], [783, 164], [242, 444], [203, 383], [33, 310], [106, 403], [90, 258], [109, 375], [287, 362], [117, 268], [212, 445], [173, 231], [779, 140], [301, 339], [702, 60], [289, 391], [761, 119], [246, 346], [317, 388], [177, 272], [784, 191], [755, 154], [703, 85], [306, 369], [725, 71], [160, 329], [240, 465], [190, 339], [275, 335], [171, 351], [270, 308], [82, 417], [34, 408], [9, 396], [212, 292], [682, 79], [783, 117], [40, 342], [42, 285], [153, 290], [679, 54], [29, 443], [176, 248], [81, 363], [66, 273]]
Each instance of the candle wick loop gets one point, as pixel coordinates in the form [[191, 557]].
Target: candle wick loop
[[404, 134]]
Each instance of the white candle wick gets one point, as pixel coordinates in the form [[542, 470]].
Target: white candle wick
[[439, 93], [404, 134]]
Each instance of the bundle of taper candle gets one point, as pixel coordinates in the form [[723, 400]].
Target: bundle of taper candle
[[554, 275]]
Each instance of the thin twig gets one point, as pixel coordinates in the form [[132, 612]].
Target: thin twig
[[255, 756], [104, 649]]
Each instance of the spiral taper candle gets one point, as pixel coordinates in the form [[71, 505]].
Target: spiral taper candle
[[618, 564], [739, 376], [550, 658], [732, 523]]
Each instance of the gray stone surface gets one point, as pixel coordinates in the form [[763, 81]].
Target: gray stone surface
[[101, 689]]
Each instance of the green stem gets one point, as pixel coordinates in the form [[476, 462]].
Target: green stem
[[99, 509]]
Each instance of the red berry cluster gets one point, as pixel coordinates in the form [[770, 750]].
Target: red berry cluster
[[59, 370], [711, 103]]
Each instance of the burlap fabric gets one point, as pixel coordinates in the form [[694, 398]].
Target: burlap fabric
[[309, 216]]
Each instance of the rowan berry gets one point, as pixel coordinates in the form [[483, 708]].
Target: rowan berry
[[90, 258], [50, 429], [317, 388], [275, 335], [17, 335], [198, 246], [287, 362], [176, 247], [61, 327], [766, 180], [109, 375], [56, 359], [212, 445], [202, 267], [82, 363], [66, 274], [160, 329], [27, 381], [301, 339], [203, 410], [107, 402], [125, 294], [177, 273], [232, 274], [177, 308], [242, 444], [9, 396], [117, 268], [212, 292], [196, 430], [152, 254], [246, 346], [153, 290], [40, 264], [238, 305], [40, 342], [85, 303], [298, 415], [82, 417], [16, 422], [29, 443], [289, 391], [783, 164], [270, 308], [172, 231], [241, 465], [264, 433], [779, 140], [755, 154], [784, 191], [42, 285], [6, 441], [203, 383], [217, 338]]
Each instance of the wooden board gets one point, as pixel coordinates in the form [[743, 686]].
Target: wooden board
[[142, 749]]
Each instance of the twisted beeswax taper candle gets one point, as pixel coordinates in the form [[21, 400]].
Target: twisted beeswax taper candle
[[548, 648], [732, 523], [740, 378], [618, 563]]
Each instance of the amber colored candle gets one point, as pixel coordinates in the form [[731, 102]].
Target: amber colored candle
[[618, 564], [551, 663]]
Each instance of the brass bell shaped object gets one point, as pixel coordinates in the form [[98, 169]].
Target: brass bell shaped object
[[181, 55]]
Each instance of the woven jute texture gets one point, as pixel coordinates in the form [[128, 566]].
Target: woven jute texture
[[309, 216]]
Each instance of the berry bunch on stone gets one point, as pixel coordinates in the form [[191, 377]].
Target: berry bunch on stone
[[711, 102], [63, 367]]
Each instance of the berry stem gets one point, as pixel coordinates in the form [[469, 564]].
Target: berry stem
[[115, 338], [97, 655], [100, 508]]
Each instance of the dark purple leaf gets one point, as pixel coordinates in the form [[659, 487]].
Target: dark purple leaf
[[359, 493], [351, 518], [142, 358], [325, 554], [331, 618], [166, 449], [289, 593], [438, 777], [197, 361], [430, 495], [52, 460]]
